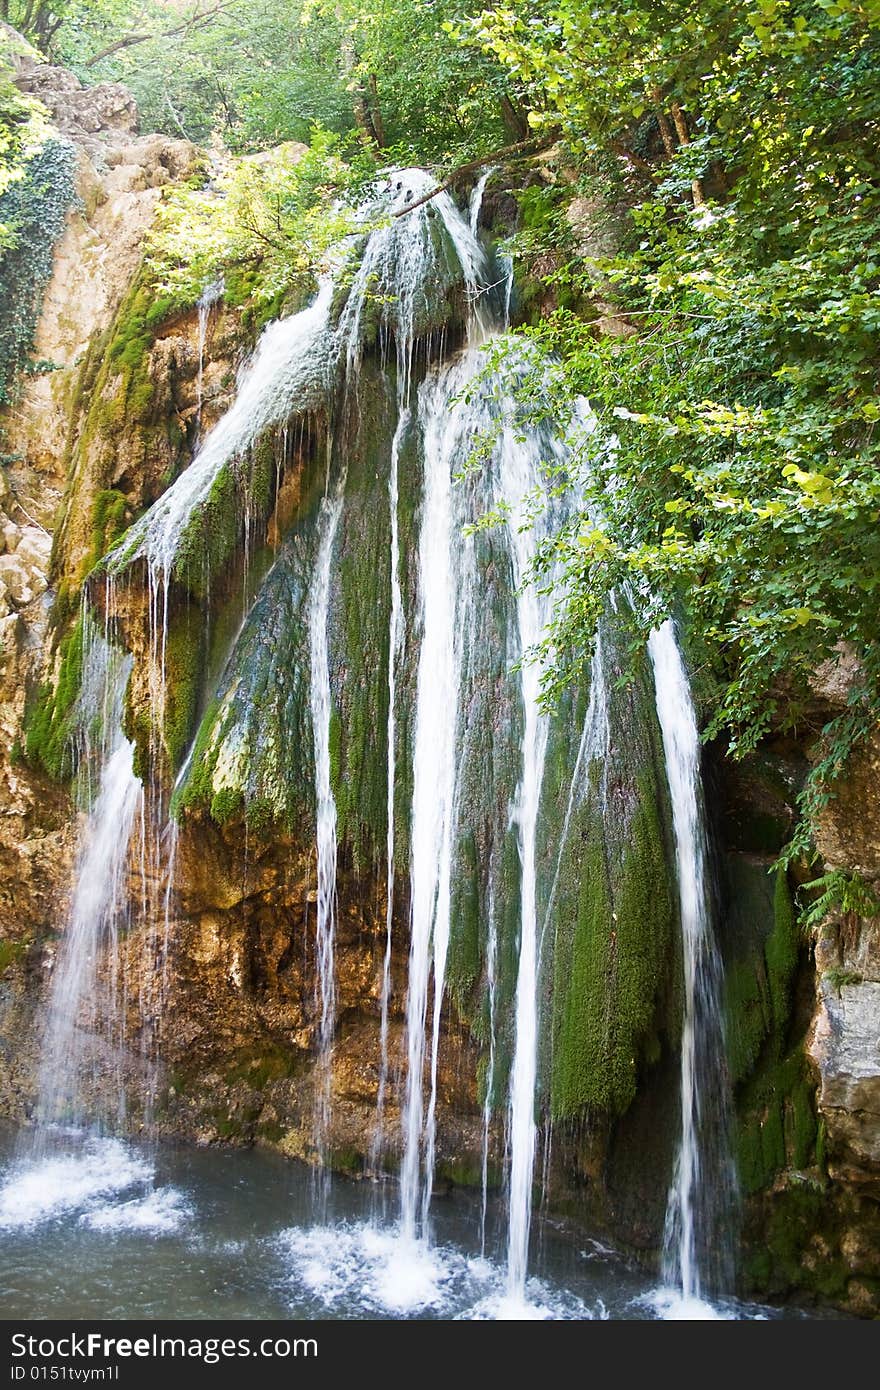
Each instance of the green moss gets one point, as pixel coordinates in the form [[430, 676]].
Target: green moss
[[196, 790], [797, 1216], [110, 516], [226, 804], [240, 284], [260, 1066], [116, 390], [230, 1126], [776, 1122], [10, 952], [344, 1158], [359, 621], [215, 532], [610, 985], [464, 958], [802, 1129], [747, 1006], [776, 1128], [781, 952], [183, 670], [49, 719]]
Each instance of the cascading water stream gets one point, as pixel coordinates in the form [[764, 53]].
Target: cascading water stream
[[518, 473], [395, 641], [208, 299], [697, 1254], [434, 769], [99, 897], [325, 839]]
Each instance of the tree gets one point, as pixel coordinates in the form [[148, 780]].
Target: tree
[[744, 408]]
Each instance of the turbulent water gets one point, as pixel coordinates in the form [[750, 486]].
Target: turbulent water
[[488, 799], [101, 1228]]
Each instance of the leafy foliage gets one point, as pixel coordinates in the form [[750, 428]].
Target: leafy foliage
[[32, 212], [263, 224], [839, 891], [743, 406], [260, 72]]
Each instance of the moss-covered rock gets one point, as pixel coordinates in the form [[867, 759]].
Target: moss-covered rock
[[49, 718]]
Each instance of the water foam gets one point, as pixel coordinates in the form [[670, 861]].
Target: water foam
[[387, 1273], [52, 1186], [161, 1212]]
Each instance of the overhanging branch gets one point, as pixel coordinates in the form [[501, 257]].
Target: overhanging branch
[[515, 151]]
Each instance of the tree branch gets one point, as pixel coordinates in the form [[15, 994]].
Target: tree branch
[[129, 40], [522, 147]]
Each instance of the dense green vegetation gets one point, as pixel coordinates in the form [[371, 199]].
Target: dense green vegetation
[[36, 189], [253, 73], [742, 142]]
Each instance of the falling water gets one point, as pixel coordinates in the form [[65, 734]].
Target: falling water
[[210, 295], [434, 779], [403, 255], [319, 610], [297, 364], [99, 896], [697, 1250], [395, 640], [518, 474], [594, 746], [288, 369], [491, 990]]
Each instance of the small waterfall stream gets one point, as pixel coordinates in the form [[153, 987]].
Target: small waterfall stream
[[100, 902], [325, 840], [697, 1256], [208, 299]]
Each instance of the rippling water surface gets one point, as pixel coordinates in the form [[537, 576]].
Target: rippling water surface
[[113, 1229]]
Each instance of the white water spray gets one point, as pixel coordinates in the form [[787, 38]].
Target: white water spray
[[99, 898], [209, 297], [702, 1189]]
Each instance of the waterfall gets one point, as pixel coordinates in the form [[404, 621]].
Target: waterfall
[[434, 780], [595, 745], [466, 617], [491, 989], [99, 897], [325, 840], [697, 1251], [287, 369], [210, 295], [518, 473], [395, 641]]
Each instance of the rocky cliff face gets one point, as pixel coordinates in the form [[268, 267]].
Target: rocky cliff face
[[224, 1009], [119, 176]]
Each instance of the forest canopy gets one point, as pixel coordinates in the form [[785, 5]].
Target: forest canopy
[[734, 150]]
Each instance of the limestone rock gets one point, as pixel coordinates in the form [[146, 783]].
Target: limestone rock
[[78, 111], [119, 178], [845, 1048], [833, 680], [847, 831]]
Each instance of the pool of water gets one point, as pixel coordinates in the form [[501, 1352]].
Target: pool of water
[[101, 1227]]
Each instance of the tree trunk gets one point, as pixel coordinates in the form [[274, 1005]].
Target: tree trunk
[[363, 116], [376, 112], [663, 122], [681, 128], [513, 119]]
